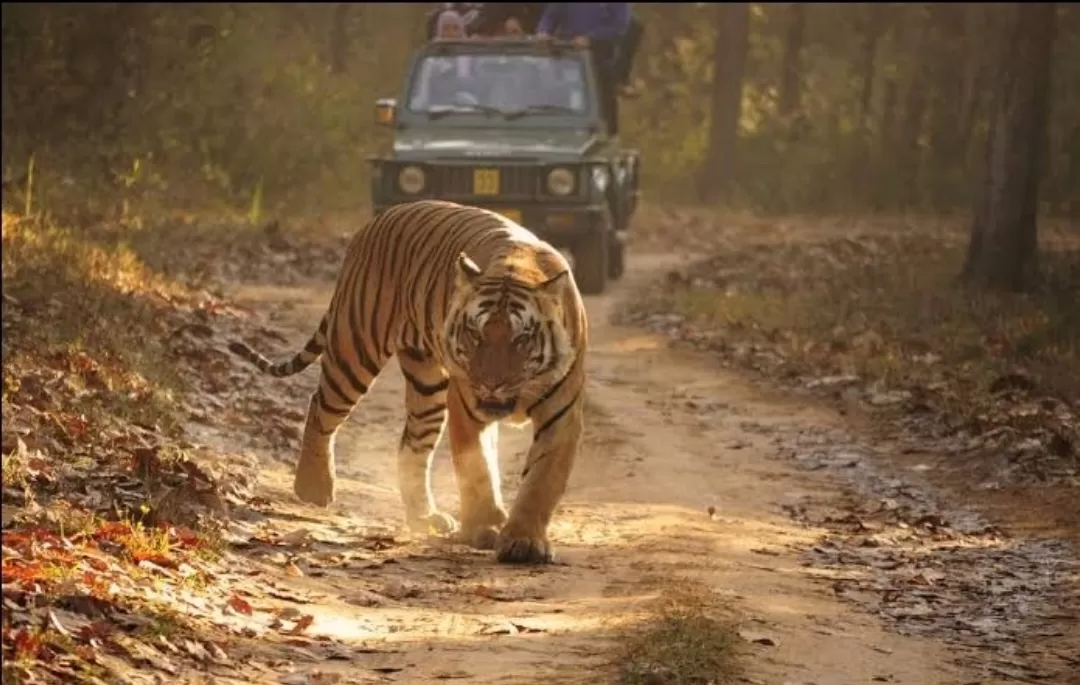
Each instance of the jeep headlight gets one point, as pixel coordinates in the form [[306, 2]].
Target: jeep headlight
[[600, 178], [560, 181], [411, 180]]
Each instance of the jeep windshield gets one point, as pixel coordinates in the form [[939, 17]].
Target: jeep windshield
[[508, 86]]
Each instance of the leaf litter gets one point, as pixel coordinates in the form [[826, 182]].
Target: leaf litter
[[889, 545], [122, 508], [806, 304], [870, 315]]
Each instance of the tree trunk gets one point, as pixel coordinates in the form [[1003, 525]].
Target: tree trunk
[[942, 184], [339, 38], [790, 79], [729, 67], [889, 98], [1002, 249], [875, 23], [974, 84], [907, 149], [975, 79], [895, 40], [1071, 203]]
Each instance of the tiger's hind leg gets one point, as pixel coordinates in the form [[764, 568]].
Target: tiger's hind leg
[[474, 448], [425, 417], [341, 387]]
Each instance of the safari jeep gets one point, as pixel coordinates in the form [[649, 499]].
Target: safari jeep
[[513, 126]]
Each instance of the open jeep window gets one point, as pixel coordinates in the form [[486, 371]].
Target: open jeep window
[[513, 84]]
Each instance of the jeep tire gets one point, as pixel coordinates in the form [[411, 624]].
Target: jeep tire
[[616, 247], [616, 258], [591, 254]]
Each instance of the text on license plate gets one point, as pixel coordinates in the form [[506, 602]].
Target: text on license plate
[[485, 181]]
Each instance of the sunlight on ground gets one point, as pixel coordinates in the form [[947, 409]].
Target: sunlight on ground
[[421, 623], [687, 542], [634, 344]]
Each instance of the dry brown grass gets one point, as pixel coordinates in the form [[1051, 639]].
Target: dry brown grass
[[877, 308], [880, 302], [85, 310], [93, 401], [690, 639]]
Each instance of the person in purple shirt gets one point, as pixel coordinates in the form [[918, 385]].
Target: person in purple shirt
[[600, 26]]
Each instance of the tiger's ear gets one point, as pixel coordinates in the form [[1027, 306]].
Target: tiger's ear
[[467, 270], [554, 285]]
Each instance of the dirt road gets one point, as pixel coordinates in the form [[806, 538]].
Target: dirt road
[[669, 436]]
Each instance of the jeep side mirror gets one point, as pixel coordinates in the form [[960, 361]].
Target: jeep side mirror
[[385, 111]]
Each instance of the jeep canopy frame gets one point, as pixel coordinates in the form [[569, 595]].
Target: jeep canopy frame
[[511, 47]]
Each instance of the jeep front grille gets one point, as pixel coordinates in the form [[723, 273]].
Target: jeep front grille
[[515, 181]]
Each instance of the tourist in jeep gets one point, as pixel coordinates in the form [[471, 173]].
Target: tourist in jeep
[[468, 11], [507, 19], [599, 26]]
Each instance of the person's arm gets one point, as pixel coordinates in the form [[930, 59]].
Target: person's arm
[[471, 15], [618, 21], [551, 18]]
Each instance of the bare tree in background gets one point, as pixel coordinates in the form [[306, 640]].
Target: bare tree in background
[[729, 67], [874, 27], [1002, 250], [339, 38], [791, 74]]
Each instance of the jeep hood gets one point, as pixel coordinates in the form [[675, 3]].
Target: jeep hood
[[514, 143]]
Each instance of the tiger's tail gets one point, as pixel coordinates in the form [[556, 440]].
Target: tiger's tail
[[313, 349]]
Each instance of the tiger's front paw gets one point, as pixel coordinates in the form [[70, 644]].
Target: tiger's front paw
[[314, 483], [517, 547], [433, 523], [478, 537]]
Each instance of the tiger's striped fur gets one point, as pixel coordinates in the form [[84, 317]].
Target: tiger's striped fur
[[487, 324]]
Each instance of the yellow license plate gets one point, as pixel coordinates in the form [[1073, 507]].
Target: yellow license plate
[[511, 214], [485, 182]]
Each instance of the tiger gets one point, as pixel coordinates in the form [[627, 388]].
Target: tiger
[[488, 325]]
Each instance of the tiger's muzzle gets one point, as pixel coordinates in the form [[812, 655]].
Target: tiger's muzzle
[[496, 408]]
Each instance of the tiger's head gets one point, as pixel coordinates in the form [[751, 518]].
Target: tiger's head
[[505, 327]]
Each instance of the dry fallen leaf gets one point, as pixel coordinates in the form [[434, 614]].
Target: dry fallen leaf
[[509, 628], [315, 677], [292, 569], [302, 624], [240, 605], [300, 537], [757, 638], [54, 621]]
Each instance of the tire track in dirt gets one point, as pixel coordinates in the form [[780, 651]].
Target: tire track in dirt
[[669, 435]]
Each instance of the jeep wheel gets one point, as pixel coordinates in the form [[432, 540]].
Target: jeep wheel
[[591, 261], [616, 259]]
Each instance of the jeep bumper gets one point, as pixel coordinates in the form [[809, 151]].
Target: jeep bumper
[[560, 225]]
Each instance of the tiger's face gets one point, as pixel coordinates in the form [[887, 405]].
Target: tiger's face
[[501, 334]]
